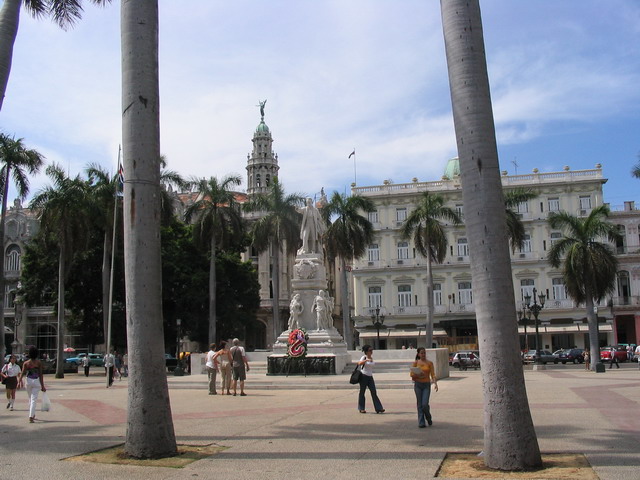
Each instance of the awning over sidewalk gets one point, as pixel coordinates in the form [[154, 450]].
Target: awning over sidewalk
[[401, 333], [569, 328]]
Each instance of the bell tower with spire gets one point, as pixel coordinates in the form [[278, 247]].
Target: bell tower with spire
[[262, 163]]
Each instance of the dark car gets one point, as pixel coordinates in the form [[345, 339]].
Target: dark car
[[170, 362], [545, 357], [572, 355], [95, 359]]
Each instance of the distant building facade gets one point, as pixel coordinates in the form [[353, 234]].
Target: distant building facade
[[392, 275]]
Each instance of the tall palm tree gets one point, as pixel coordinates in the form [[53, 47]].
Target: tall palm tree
[[103, 191], [63, 211], [589, 267], [17, 162], [510, 441], [168, 179], [64, 12], [150, 432], [218, 222], [430, 239], [277, 227], [347, 238], [515, 227], [635, 171]]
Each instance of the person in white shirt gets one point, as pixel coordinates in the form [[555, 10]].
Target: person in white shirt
[[212, 368], [86, 363], [10, 372], [109, 362], [366, 380], [240, 366]]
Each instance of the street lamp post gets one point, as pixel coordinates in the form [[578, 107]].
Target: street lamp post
[[535, 308], [16, 347], [178, 372], [378, 320], [524, 317]]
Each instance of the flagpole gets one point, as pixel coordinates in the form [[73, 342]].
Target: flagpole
[[113, 256]]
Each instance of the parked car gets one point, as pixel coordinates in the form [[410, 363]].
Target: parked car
[[95, 359], [170, 361], [545, 357], [466, 359], [573, 355], [607, 352]]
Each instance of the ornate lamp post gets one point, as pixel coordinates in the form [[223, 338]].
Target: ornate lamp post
[[535, 308], [378, 320], [523, 317], [16, 346]]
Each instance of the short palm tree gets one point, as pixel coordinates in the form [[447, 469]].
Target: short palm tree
[[589, 267], [424, 226], [218, 223], [347, 238], [17, 162], [63, 211], [64, 12], [515, 227], [277, 227]]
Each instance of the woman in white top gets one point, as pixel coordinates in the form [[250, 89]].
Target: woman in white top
[[10, 372], [366, 380], [224, 357]]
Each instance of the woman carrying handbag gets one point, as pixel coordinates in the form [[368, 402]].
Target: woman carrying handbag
[[366, 380]]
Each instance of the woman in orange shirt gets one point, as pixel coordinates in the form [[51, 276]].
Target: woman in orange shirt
[[422, 385]]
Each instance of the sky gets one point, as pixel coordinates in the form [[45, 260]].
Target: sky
[[338, 75]]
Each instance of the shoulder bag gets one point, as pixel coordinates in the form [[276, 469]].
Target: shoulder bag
[[355, 376]]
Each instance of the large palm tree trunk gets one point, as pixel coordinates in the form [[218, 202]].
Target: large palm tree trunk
[[9, 21], [592, 322], [275, 283], [61, 325], [3, 215], [149, 425], [344, 292], [428, 331], [212, 292], [106, 283], [510, 441]]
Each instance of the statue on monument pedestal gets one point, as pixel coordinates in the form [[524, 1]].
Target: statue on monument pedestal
[[323, 305], [311, 229], [295, 308]]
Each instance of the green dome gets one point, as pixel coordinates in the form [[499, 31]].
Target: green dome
[[262, 128], [453, 168]]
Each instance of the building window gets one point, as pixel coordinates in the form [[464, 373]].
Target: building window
[[437, 294], [526, 244], [258, 180], [559, 290], [523, 207], [554, 204], [12, 262], [526, 288], [459, 209], [465, 295], [373, 216], [555, 236], [463, 247], [404, 295], [373, 252], [375, 297], [268, 179], [403, 250], [585, 202], [401, 214]]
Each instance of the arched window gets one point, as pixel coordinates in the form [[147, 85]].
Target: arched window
[[258, 180], [268, 180], [12, 262]]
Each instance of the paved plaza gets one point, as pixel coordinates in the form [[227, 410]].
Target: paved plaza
[[312, 429]]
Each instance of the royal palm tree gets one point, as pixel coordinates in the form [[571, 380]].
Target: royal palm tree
[[64, 212], [218, 223], [17, 163], [150, 432], [347, 237], [515, 227], [589, 267], [278, 226], [103, 192], [510, 441], [424, 226], [168, 179], [64, 12]]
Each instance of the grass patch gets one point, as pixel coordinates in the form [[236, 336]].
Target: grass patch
[[115, 455], [555, 466]]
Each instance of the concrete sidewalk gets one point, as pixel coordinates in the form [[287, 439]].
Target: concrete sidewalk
[[318, 433]]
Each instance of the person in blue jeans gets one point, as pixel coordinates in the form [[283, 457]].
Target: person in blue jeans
[[366, 380], [422, 385]]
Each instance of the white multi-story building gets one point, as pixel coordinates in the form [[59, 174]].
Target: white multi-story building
[[392, 275]]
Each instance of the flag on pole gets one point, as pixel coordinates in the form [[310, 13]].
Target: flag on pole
[[120, 170], [352, 153]]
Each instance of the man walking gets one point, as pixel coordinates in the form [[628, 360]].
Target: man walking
[[109, 362], [614, 358], [239, 362], [212, 369], [86, 363]]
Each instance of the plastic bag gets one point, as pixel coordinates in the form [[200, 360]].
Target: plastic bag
[[46, 403]]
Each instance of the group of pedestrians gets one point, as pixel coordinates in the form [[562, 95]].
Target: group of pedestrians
[[29, 376], [422, 373], [231, 363]]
